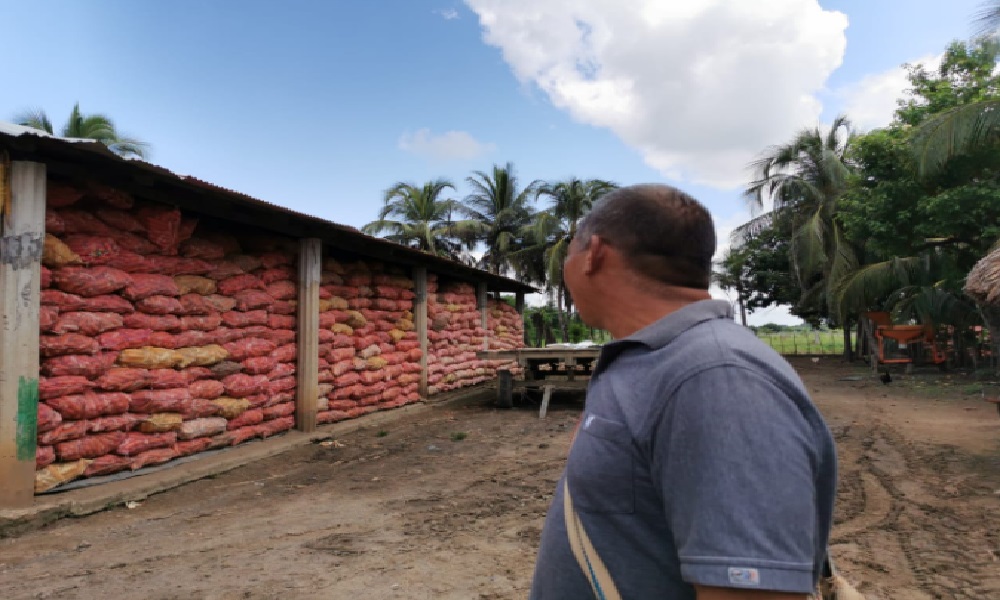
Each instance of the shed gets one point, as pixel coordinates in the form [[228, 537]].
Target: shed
[[983, 285], [147, 315]]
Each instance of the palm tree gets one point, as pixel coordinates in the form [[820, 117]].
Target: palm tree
[[805, 179], [502, 210], [92, 127], [555, 227], [422, 220]]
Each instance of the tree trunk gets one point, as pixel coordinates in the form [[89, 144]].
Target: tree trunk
[[538, 323], [858, 342], [562, 317], [848, 347], [743, 306]]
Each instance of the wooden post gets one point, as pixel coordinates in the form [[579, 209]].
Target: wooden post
[[420, 322], [307, 340], [483, 314], [22, 233], [505, 388]]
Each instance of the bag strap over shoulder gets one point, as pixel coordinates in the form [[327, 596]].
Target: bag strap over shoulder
[[586, 555]]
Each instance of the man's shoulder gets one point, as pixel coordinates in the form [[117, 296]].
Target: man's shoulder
[[721, 341]]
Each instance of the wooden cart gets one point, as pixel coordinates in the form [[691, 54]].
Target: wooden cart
[[545, 368]]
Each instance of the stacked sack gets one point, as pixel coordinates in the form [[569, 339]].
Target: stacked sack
[[369, 354], [455, 335], [506, 332], [158, 339]]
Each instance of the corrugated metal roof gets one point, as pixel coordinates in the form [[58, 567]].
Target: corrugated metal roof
[[87, 157]]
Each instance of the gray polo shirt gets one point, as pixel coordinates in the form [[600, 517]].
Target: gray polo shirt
[[700, 459]]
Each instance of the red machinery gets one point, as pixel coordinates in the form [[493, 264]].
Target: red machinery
[[891, 340]]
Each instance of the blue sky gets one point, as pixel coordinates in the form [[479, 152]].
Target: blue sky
[[319, 106]]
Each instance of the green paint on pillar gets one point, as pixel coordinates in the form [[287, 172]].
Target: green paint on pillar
[[27, 417]]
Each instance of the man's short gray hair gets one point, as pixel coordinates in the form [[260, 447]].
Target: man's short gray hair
[[665, 235]]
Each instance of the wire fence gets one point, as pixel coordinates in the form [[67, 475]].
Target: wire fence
[[810, 343]]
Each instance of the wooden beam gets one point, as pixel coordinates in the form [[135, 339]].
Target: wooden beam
[[307, 370], [22, 234], [483, 313], [420, 322]]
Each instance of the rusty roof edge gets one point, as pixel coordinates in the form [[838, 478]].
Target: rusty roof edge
[[94, 151]]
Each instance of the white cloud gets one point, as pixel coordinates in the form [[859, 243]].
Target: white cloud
[[871, 102], [447, 13], [450, 145], [700, 88]]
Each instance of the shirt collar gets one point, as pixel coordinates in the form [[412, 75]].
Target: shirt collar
[[662, 332]]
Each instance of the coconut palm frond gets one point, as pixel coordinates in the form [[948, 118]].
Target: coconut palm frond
[[129, 147], [808, 248], [955, 132], [930, 305], [94, 126], [35, 118], [747, 231], [871, 284]]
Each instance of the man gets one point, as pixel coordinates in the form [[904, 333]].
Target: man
[[701, 469]]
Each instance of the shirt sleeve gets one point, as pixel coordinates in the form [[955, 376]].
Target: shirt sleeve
[[735, 460]]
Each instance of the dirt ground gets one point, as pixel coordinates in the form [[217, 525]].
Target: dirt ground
[[449, 505]]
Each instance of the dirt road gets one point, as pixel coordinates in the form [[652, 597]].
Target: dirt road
[[449, 505]]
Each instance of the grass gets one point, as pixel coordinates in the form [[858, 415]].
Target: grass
[[805, 342], [382, 433], [458, 436]]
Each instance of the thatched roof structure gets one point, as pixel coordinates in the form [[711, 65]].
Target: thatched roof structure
[[983, 282]]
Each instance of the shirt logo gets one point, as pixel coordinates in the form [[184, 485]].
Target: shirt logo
[[590, 419], [742, 576]]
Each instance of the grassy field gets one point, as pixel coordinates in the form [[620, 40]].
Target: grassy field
[[805, 342]]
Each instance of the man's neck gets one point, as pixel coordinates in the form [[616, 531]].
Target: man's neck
[[635, 309]]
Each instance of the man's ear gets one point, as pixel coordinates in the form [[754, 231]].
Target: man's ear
[[596, 255]]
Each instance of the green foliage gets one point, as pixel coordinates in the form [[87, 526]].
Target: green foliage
[[956, 111], [95, 126], [941, 223], [899, 222], [965, 76], [421, 219], [805, 180], [542, 326], [759, 269]]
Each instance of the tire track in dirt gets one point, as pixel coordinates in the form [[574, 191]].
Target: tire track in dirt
[[911, 543]]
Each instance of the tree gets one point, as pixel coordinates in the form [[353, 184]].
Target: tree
[[957, 110], [555, 227], [919, 231], [759, 271], [805, 180], [422, 220], [502, 211], [94, 126]]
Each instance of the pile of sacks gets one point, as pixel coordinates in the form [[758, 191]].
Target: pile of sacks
[[159, 338], [369, 352], [455, 334]]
